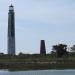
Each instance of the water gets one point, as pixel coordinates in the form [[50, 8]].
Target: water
[[39, 72]]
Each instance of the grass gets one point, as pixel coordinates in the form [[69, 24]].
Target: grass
[[34, 62]]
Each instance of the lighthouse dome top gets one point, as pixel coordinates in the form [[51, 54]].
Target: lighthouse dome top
[[11, 7]]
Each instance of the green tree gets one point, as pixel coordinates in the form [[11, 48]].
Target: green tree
[[73, 48], [60, 49]]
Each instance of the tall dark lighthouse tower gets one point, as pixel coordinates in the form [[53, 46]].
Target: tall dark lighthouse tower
[[42, 48], [11, 31]]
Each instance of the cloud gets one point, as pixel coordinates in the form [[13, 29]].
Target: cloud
[[51, 12]]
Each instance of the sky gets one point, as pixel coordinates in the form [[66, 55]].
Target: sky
[[35, 20]]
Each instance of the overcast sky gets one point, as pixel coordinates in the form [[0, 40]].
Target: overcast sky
[[35, 20]]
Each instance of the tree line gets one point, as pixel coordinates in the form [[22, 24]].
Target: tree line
[[61, 50], [58, 50]]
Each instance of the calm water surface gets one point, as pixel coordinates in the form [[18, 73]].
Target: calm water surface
[[39, 72]]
